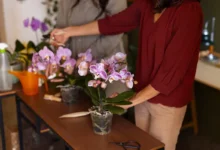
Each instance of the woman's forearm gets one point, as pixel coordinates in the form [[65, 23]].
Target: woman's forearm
[[87, 29], [146, 94]]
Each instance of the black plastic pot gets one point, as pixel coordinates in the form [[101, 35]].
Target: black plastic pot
[[70, 94]]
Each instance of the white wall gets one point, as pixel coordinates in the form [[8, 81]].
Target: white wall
[[14, 14]]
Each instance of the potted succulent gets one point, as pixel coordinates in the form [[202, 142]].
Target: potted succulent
[[102, 74]]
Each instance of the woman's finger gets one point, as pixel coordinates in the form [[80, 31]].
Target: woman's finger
[[50, 69], [79, 60], [47, 71], [53, 32]]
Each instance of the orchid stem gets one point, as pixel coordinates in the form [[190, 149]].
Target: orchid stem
[[37, 37], [100, 101]]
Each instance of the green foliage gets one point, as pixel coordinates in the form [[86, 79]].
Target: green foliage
[[110, 104], [121, 97], [24, 52], [131, 58], [18, 46]]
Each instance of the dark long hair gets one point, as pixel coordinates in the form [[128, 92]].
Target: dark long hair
[[161, 4], [102, 4]]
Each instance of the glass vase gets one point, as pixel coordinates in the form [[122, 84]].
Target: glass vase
[[102, 122]]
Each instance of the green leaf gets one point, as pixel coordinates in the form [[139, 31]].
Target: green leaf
[[121, 97], [80, 81], [121, 103], [19, 46], [95, 101], [114, 109], [31, 45], [41, 46], [72, 81], [131, 58]]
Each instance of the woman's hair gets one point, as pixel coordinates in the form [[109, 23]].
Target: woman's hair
[[102, 4], [161, 4]]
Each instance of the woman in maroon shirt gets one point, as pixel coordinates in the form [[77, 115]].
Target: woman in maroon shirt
[[170, 35]]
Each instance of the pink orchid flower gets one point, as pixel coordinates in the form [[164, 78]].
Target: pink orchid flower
[[98, 71], [94, 83], [46, 54], [69, 64], [120, 57], [83, 68], [63, 53], [87, 56]]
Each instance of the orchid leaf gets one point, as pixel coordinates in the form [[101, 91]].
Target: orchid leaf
[[114, 109], [121, 97], [71, 81], [121, 103]]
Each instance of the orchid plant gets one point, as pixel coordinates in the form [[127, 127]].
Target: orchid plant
[[61, 63], [107, 72], [96, 75]]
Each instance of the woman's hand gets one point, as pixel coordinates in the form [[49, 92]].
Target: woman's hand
[[144, 95], [51, 70], [60, 36], [123, 106], [129, 106], [79, 60]]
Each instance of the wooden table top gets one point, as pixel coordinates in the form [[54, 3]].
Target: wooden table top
[[78, 132], [16, 87]]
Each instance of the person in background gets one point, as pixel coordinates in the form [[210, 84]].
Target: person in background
[[169, 43], [79, 12]]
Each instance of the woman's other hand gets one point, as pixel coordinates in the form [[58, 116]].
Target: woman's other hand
[[51, 71], [79, 60]]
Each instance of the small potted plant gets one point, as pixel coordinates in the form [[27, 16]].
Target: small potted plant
[[102, 74], [64, 68]]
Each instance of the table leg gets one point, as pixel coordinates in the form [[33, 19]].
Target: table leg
[[2, 126], [19, 123]]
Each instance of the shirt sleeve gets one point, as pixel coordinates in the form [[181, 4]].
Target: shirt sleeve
[[123, 21], [106, 45], [184, 46]]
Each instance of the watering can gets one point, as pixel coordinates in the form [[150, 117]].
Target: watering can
[[29, 81]]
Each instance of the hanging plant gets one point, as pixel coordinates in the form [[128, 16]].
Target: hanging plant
[[52, 10]]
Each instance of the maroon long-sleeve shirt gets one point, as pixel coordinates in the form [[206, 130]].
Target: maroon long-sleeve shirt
[[168, 49]]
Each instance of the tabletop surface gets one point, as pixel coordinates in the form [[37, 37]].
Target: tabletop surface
[[16, 87], [78, 132]]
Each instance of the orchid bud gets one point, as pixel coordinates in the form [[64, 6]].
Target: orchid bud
[[103, 85]]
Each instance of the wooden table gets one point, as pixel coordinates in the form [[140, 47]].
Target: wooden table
[[12, 92], [77, 132]]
